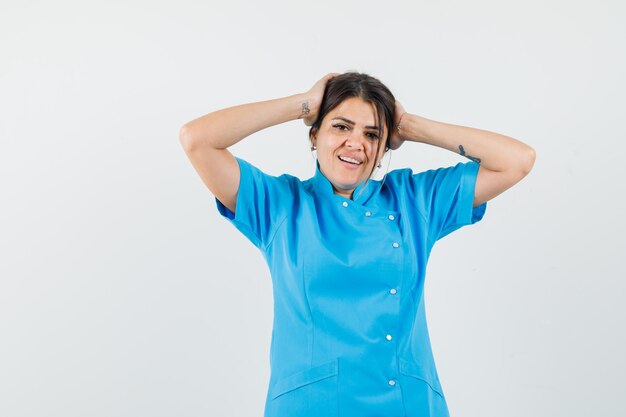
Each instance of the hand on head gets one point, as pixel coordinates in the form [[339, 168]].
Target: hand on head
[[395, 139], [314, 99]]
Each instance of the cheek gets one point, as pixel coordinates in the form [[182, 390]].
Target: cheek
[[329, 144], [372, 148]]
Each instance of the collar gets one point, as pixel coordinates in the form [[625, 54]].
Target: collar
[[362, 193]]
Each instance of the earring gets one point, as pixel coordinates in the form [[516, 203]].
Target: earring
[[380, 164], [313, 147]]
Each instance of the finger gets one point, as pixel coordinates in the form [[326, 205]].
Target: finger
[[331, 75]]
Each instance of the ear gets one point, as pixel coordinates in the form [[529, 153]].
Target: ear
[[313, 136]]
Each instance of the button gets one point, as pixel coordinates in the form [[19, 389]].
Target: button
[[368, 213], [392, 217], [392, 291], [345, 204], [388, 337], [392, 382], [396, 245]]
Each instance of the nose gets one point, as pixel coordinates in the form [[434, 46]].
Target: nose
[[355, 141]]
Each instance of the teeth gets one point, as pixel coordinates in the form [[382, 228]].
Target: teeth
[[351, 160]]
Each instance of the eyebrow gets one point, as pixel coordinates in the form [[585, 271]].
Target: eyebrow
[[352, 123]]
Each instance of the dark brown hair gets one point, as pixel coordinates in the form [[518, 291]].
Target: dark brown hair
[[367, 88]]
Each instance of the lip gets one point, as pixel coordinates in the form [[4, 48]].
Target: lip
[[349, 165], [351, 155]]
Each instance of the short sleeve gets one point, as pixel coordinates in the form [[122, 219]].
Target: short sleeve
[[262, 200], [446, 197]]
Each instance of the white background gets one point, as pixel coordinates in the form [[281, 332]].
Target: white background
[[122, 291]]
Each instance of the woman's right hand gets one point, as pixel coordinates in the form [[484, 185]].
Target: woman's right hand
[[313, 99]]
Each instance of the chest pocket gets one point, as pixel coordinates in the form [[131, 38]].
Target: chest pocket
[[312, 392]]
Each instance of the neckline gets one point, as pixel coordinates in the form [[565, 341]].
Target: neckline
[[363, 192]]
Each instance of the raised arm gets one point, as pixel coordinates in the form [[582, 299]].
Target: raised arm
[[504, 161], [206, 139]]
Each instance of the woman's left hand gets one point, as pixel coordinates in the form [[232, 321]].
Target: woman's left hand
[[395, 141]]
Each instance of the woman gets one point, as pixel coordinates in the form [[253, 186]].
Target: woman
[[347, 253]]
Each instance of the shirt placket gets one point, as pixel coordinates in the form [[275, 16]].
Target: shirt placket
[[392, 240]]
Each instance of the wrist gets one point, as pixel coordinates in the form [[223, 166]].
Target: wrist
[[299, 106], [414, 128], [303, 105], [399, 126]]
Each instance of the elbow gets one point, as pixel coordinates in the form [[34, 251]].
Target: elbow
[[193, 138], [185, 138], [528, 160], [183, 134], [524, 162]]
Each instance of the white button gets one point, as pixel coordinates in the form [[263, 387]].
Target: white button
[[392, 217], [368, 213], [345, 204], [392, 382], [392, 291], [388, 337], [396, 245]]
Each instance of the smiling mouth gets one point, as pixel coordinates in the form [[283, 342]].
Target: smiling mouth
[[350, 160]]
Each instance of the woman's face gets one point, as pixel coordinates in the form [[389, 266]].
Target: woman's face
[[346, 142]]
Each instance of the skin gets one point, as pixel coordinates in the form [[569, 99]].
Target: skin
[[348, 131], [206, 139], [504, 161]]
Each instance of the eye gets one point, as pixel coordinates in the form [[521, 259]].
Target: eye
[[373, 135], [340, 126]]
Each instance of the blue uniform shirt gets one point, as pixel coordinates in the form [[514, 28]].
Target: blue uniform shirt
[[349, 335]]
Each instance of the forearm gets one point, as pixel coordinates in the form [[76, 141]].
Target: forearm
[[223, 128], [494, 151]]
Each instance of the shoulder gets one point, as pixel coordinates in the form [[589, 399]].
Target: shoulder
[[399, 178], [423, 186], [406, 176], [251, 172]]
